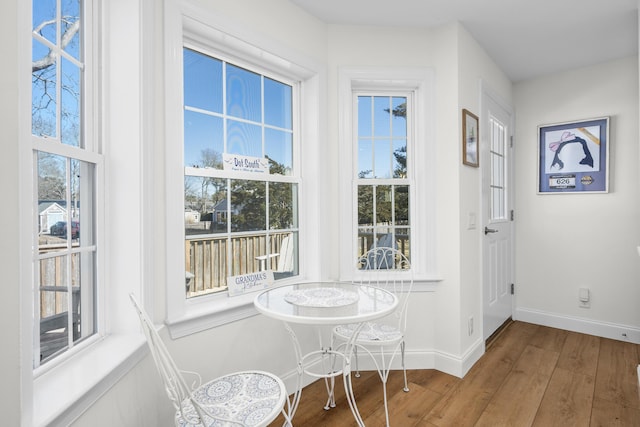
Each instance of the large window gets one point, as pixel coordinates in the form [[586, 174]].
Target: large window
[[382, 173], [240, 178], [65, 159]]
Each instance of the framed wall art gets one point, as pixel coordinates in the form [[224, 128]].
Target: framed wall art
[[573, 157], [469, 138]]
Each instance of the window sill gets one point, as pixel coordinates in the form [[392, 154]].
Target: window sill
[[426, 285], [210, 312], [218, 310], [62, 394]]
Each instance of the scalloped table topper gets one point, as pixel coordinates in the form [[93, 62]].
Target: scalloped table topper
[[321, 297]]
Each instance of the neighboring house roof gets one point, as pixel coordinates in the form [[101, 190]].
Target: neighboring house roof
[[48, 205], [43, 205], [221, 205]]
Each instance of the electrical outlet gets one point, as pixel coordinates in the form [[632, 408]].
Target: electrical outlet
[[584, 298], [470, 325]]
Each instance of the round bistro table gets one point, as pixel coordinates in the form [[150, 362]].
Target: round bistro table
[[325, 304]]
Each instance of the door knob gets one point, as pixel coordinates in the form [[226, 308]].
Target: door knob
[[488, 230]]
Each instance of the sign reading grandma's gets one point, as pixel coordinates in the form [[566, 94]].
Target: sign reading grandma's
[[239, 285], [236, 162]]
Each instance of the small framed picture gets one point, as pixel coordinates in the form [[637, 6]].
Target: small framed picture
[[469, 138], [573, 157]]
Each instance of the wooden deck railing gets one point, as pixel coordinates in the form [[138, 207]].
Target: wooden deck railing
[[366, 241], [53, 284], [55, 302], [207, 263]]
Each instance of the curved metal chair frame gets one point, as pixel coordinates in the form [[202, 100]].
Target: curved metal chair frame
[[252, 398], [388, 268]]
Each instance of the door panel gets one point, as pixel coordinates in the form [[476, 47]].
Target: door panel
[[497, 252]]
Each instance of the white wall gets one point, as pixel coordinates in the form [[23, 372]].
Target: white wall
[[580, 240], [361, 47], [10, 389], [253, 343], [460, 65], [477, 72]]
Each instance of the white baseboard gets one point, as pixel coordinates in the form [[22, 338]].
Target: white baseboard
[[578, 324], [414, 359], [475, 352]]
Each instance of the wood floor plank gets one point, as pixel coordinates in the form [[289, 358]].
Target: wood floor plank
[[613, 414], [505, 387], [616, 378], [405, 409], [464, 404], [433, 380], [531, 375], [549, 339], [580, 354], [567, 400], [369, 395], [469, 398]]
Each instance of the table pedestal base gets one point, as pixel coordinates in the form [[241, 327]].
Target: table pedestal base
[[328, 371]]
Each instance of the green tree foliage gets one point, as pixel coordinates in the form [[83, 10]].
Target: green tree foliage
[[281, 199], [248, 205], [248, 210], [385, 211]]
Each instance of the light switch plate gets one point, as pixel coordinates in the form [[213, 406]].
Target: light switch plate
[[471, 221]]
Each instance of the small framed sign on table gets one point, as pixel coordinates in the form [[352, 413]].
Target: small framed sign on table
[[573, 157]]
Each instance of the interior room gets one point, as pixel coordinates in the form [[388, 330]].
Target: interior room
[[483, 197]]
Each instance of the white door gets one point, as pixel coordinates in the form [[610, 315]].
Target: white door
[[497, 247]]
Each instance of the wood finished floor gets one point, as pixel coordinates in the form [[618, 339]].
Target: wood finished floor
[[529, 376]]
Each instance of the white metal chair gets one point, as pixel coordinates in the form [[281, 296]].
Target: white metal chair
[[248, 398], [388, 268]]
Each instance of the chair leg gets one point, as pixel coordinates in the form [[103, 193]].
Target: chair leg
[[286, 411], [384, 394], [404, 369], [355, 355]]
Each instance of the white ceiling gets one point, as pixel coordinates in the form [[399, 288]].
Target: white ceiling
[[526, 38]]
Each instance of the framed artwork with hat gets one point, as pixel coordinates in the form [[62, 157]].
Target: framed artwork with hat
[[573, 157]]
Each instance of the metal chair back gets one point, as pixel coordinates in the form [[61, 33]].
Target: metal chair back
[[389, 268]]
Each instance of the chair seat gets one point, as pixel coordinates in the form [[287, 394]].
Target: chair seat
[[371, 333], [243, 398]]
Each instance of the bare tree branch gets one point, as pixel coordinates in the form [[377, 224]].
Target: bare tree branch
[[50, 58]]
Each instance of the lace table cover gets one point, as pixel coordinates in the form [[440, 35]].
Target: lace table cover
[[321, 297]]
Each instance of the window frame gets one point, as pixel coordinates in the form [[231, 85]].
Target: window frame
[[419, 83], [60, 391], [189, 25], [407, 181], [293, 178], [88, 151]]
